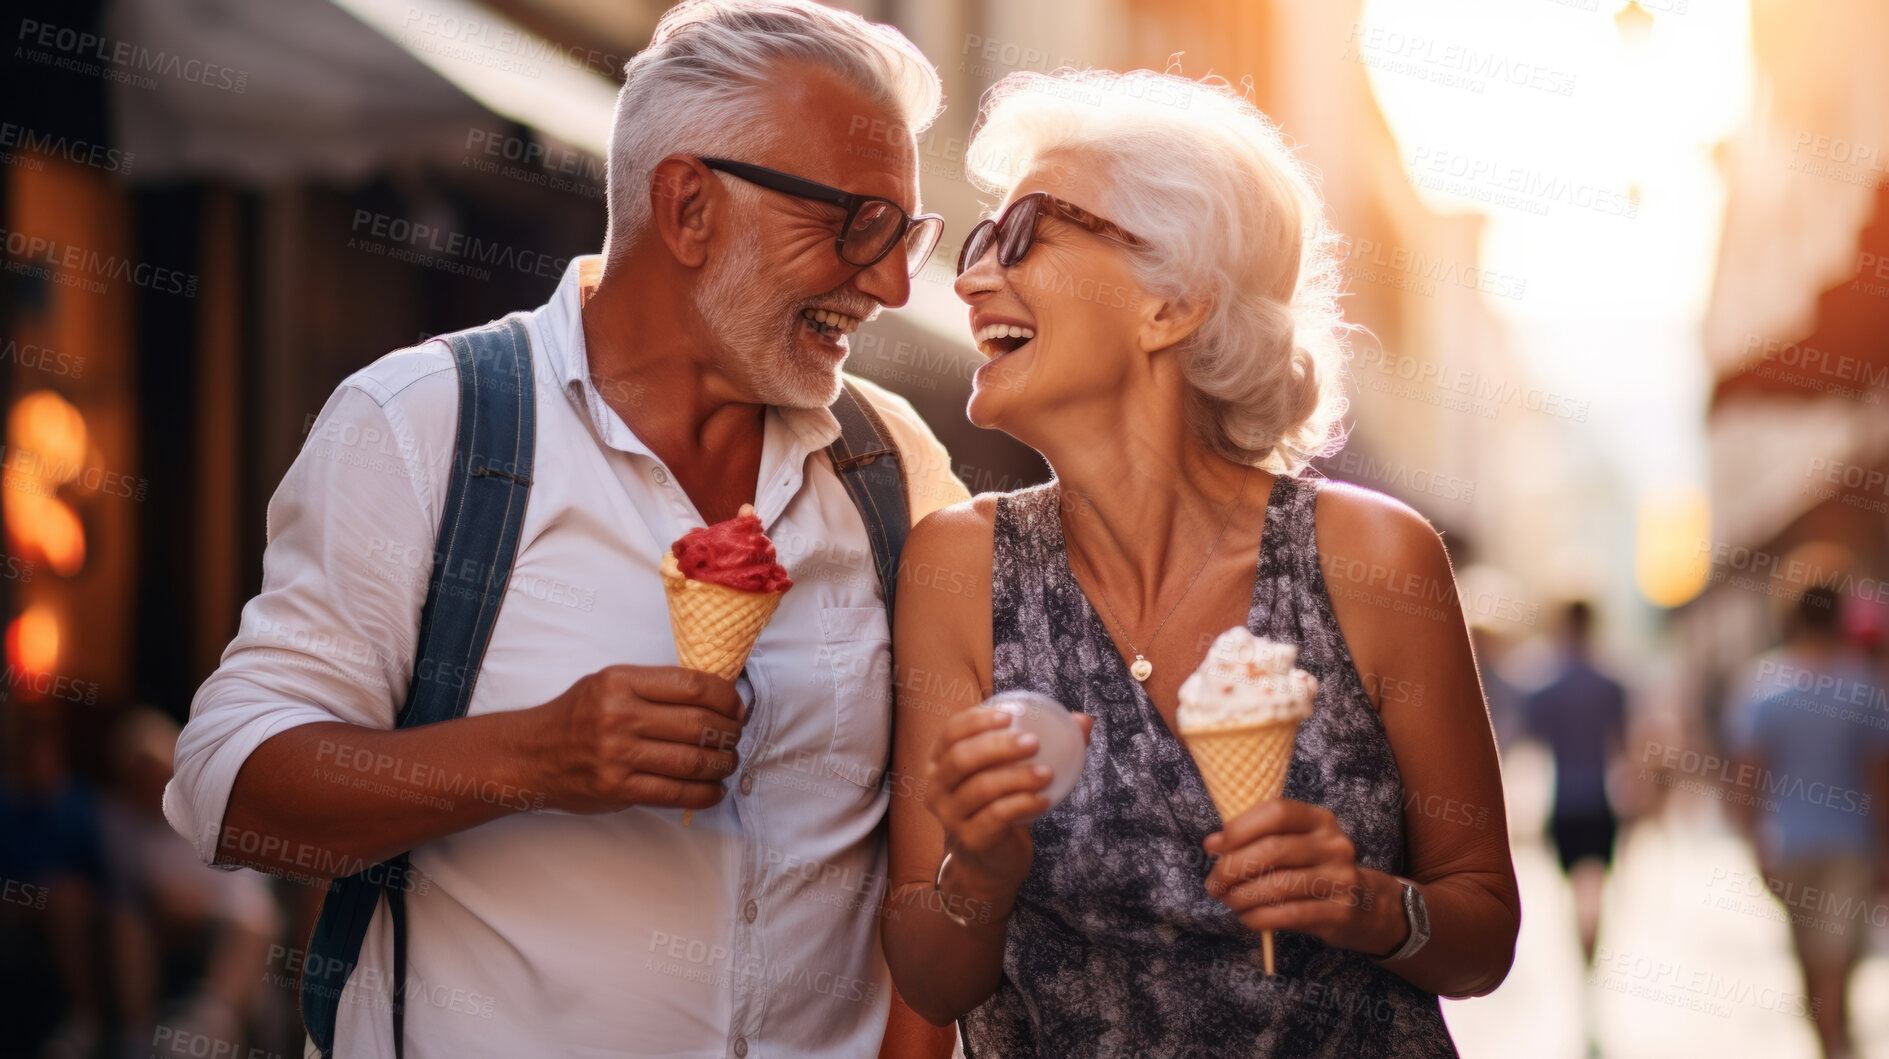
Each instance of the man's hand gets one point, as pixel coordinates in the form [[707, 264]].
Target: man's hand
[[660, 736], [622, 736]]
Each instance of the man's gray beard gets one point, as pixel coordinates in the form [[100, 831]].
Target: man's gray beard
[[764, 357]]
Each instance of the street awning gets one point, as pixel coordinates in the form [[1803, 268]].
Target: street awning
[[268, 91], [1845, 354]]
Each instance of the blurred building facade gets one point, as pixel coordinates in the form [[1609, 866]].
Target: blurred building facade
[[1798, 337]]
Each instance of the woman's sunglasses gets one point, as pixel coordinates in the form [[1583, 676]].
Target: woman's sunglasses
[[873, 225], [1014, 232]]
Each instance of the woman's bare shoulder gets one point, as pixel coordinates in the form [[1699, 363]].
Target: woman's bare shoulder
[[1388, 577], [959, 531], [945, 568], [1360, 529], [944, 612]]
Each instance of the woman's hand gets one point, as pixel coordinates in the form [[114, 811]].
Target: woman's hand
[[1286, 865], [982, 791]]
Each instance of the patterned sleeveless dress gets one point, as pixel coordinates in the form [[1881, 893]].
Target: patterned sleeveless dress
[[1114, 946]]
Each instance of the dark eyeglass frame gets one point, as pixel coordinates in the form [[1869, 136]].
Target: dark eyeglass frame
[[1014, 231], [801, 187]]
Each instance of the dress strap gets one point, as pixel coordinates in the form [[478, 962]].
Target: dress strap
[[1288, 551], [1023, 541]]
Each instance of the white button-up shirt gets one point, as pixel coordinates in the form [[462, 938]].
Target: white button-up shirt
[[750, 933]]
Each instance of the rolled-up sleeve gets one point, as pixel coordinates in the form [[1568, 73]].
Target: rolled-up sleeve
[[350, 549]]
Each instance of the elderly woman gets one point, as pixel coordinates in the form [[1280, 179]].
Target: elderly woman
[[1157, 300]]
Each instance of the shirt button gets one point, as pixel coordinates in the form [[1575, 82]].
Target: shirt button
[[747, 783], [741, 1046], [751, 911], [662, 476]]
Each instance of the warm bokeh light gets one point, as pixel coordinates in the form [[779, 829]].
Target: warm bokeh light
[[33, 641], [46, 426], [46, 439], [1596, 182], [1670, 561], [45, 529]]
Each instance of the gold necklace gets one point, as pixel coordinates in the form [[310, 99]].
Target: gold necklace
[[1141, 669]]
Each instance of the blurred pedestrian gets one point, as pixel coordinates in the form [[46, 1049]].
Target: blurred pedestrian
[[1816, 748], [1492, 647], [169, 910], [1581, 715], [52, 871]]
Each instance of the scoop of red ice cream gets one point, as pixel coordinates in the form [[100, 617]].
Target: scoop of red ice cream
[[734, 553]]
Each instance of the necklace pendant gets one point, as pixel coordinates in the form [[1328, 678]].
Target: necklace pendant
[[1141, 669]]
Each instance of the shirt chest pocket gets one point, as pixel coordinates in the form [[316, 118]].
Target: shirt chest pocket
[[858, 647]]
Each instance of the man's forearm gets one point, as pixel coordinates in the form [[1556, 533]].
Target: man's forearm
[[332, 799]]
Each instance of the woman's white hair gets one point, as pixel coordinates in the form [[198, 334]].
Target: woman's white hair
[[1228, 216], [697, 88]]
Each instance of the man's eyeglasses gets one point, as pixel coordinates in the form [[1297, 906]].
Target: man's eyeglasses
[[1015, 232], [873, 225]]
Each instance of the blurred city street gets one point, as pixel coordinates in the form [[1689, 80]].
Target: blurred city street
[[1690, 961], [1614, 280]]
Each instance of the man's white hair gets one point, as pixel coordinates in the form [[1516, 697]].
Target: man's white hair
[[698, 87], [1228, 216]]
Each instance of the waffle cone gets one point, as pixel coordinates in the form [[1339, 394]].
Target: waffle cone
[[1243, 766], [715, 626]]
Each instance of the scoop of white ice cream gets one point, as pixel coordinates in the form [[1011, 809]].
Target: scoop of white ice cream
[[1060, 743], [1245, 680]]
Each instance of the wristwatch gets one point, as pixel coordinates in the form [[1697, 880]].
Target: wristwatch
[[1417, 914]]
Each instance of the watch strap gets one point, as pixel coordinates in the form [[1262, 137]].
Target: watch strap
[[1409, 898], [1416, 915]]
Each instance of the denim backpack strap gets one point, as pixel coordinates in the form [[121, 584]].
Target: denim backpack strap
[[869, 466], [472, 563]]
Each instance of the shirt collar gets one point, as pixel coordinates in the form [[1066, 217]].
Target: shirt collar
[[791, 433]]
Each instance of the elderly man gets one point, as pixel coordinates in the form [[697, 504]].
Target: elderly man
[[524, 879]]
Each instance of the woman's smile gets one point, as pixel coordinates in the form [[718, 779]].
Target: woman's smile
[[996, 339]]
